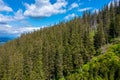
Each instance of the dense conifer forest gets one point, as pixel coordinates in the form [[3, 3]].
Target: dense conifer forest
[[85, 48]]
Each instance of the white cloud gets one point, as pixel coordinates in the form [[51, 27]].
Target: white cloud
[[16, 31], [16, 17], [70, 16], [113, 2], [4, 7], [19, 15], [84, 9], [43, 8], [4, 19], [19, 30], [74, 5]]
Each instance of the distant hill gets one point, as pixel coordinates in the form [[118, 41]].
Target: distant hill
[[4, 40], [1, 43]]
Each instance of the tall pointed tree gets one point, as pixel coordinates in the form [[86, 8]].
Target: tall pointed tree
[[99, 38]]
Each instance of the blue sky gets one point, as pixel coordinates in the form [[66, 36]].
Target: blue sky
[[20, 16]]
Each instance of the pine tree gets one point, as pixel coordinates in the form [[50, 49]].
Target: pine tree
[[106, 22], [99, 38], [117, 26], [112, 22]]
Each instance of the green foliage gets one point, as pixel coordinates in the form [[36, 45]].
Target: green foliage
[[74, 50], [115, 48], [102, 67], [115, 40]]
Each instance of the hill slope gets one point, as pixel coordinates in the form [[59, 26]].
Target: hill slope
[[64, 51], [102, 67]]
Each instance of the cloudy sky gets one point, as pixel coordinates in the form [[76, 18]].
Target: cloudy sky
[[19, 16]]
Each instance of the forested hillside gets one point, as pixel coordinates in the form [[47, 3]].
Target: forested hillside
[[85, 48]]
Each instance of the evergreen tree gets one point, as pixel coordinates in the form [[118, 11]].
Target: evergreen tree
[[67, 51], [99, 38]]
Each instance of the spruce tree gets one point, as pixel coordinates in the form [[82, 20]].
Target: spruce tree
[[99, 38]]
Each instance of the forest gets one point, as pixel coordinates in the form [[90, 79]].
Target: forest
[[84, 48]]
